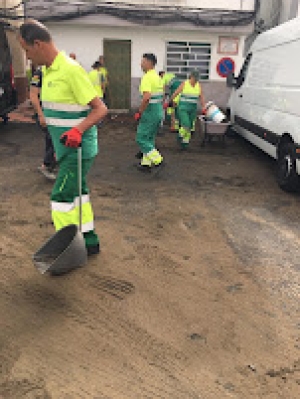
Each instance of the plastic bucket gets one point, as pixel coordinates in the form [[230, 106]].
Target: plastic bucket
[[213, 113], [63, 252]]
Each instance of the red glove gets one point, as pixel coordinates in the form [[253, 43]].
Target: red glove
[[137, 116], [72, 138], [166, 105], [204, 111]]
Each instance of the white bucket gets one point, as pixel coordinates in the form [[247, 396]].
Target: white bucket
[[213, 113]]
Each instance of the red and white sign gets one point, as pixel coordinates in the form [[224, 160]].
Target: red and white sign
[[225, 66]]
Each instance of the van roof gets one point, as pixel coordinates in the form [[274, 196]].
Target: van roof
[[283, 33]]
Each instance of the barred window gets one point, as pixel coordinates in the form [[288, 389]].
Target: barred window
[[184, 57]]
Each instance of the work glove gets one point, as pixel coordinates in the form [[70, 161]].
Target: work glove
[[72, 138], [171, 104], [165, 104], [203, 111], [137, 116]]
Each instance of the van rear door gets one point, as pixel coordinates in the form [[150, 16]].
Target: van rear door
[[7, 89]]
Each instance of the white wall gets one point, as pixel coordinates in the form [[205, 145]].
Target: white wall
[[87, 43], [245, 5]]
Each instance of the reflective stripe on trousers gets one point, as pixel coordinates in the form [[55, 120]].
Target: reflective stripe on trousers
[[185, 135], [64, 213], [152, 158]]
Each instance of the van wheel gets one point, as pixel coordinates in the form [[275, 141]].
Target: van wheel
[[287, 177]]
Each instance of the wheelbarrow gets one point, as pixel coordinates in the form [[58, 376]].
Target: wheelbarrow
[[212, 129], [65, 250]]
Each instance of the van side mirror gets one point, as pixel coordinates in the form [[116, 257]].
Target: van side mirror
[[231, 80]]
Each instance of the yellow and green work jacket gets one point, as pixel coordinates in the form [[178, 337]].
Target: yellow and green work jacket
[[96, 79], [190, 95], [167, 78], [152, 83], [65, 95]]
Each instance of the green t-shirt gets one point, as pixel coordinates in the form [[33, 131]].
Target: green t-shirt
[[66, 93]]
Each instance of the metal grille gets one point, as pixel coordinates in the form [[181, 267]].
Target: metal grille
[[184, 57]]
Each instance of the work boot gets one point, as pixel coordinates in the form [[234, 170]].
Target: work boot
[[93, 249], [184, 146], [139, 155], [179, 139], [47, 172], [143, 168]]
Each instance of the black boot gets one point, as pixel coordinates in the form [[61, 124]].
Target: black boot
[[93, 249], [143, 168]]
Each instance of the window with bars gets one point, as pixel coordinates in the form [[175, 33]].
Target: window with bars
[[185, 57]]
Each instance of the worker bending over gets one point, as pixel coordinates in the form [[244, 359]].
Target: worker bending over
[[170, 85]]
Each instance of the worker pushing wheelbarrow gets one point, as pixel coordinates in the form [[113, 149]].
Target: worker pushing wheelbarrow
[[190, 93]]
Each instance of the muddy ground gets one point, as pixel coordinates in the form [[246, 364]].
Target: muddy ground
[[195, 294]]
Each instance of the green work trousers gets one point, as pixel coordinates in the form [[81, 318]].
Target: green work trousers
[[65, 198], [148, 127], [187, 113]]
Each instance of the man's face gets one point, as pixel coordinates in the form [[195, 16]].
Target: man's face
[[34, 52], [145, 64]]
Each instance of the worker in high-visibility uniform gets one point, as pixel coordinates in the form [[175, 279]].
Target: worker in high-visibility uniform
[[97, 79], [149, 115], [190, 93], [104, 78], [49, 164], [71, 108], [171, 84]]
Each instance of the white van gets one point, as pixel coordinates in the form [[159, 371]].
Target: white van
[[264, 105]]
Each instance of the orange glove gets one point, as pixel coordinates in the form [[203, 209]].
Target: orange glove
[[171, 104], [137, 116], [72, 138]]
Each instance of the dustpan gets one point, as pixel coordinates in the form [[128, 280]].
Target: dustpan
[[65, 250]]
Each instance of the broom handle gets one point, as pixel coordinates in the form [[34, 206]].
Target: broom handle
[[79, 161]]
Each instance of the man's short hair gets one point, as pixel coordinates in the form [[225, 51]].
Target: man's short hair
[[150, 57], [96, 65], [32, 30]]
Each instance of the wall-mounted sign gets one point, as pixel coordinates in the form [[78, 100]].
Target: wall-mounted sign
[[228, 45], [225, 66]]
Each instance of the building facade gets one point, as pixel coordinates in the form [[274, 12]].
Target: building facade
[[207, 35], [183, 34]]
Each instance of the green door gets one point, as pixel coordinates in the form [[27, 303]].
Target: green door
[[117, 55]]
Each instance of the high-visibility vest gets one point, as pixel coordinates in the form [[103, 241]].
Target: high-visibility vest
[[190, 94]]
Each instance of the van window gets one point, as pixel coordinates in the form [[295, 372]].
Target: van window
[[243, 72]]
